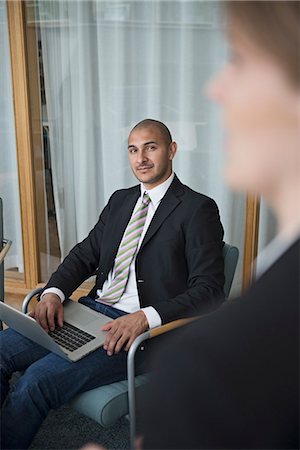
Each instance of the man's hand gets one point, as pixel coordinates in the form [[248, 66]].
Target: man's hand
[[48, 311], [123, 331]]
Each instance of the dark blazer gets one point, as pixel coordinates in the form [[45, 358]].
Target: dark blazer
[[179, 267], [231, 379]]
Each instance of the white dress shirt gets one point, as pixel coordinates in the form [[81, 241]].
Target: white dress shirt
[[129, 301]]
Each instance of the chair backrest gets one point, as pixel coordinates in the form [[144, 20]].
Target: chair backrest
[[231, 256]]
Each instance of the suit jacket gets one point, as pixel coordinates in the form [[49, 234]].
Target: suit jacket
[[231, 380], [179, 266]]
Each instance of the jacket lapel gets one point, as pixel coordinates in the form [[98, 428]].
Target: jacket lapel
[[169, 202]]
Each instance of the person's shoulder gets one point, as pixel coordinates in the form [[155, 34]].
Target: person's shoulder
[[279, 286], [271, 303], [121, 194]]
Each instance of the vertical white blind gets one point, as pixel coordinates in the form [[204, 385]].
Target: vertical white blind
[[110, 64]]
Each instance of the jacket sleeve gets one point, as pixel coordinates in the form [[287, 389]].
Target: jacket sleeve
[[204, 259], [82, 261]]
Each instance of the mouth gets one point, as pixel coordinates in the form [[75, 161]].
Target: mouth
[[144, 168]]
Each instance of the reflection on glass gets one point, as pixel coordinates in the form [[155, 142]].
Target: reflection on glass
[[9, 189], [103, 67]]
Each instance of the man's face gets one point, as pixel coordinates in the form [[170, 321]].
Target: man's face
[[150, 156]]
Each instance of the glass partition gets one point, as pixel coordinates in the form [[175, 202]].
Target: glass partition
[[102, 67], [9, 186]]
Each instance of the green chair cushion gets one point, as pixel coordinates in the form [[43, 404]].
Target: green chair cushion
[[106, 404]]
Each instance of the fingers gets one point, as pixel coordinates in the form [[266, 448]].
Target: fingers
[[130, 341], [50, 317], [40, 315], [47, 311], [115, 340], [107, 326], [60, 317], [138, 442], [121, 332]]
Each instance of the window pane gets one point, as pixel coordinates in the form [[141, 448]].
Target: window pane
[[104, 66], [9, 189]]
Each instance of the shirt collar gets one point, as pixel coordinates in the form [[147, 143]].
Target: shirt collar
[[157, 193]]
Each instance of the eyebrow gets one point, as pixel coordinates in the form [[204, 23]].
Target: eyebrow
[[144, 144], [150, 142]]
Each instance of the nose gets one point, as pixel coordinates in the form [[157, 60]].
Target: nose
[[141, 156]]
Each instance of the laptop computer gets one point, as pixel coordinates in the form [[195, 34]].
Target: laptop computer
[[80, 335]]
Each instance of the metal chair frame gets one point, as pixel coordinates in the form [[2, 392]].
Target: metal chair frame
[[6, 244], [143, 337]]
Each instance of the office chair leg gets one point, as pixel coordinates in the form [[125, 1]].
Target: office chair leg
[[131, 383]]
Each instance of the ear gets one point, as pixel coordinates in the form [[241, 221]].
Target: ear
[[172, 150]]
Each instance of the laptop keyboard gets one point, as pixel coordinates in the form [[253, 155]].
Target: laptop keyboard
[[70, 337]]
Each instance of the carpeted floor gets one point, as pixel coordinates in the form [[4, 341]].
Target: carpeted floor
[[66, 429]]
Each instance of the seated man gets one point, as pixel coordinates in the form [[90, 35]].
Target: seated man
[[157, 254]]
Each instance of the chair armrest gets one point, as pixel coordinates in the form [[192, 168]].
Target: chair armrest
[[28, 299], [170, 326], [4, 251]]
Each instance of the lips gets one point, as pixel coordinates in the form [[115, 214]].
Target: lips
[[144, 167]]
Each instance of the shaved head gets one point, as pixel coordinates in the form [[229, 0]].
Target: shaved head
[[151, 151], [157, 125]]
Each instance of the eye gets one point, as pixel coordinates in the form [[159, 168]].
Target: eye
[[132, 150], [150, 148]]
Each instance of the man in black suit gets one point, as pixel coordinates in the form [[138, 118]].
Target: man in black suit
[[174, 269]]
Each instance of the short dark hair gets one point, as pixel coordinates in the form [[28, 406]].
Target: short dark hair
[[160, 126]]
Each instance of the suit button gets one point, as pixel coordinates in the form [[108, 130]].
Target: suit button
[[140, 281]]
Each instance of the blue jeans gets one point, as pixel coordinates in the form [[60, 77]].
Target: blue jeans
[[48, 381]]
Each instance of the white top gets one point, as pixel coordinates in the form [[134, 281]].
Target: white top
[[129, 301]]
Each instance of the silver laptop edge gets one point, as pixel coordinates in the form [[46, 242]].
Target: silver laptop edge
[[74, 313]]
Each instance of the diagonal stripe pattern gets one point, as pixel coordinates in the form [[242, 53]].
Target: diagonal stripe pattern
[[126, 253]]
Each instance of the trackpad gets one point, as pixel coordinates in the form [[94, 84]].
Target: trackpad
[[82, 317]]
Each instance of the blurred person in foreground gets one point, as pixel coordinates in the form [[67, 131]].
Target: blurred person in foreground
[[231, 379]]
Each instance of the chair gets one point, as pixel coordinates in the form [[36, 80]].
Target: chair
[[4, 247], [230, 256], [109, 403]]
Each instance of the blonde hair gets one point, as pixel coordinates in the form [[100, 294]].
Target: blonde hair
[[274, 26]]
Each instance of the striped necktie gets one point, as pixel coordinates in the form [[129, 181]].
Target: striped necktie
[[126, 252]]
